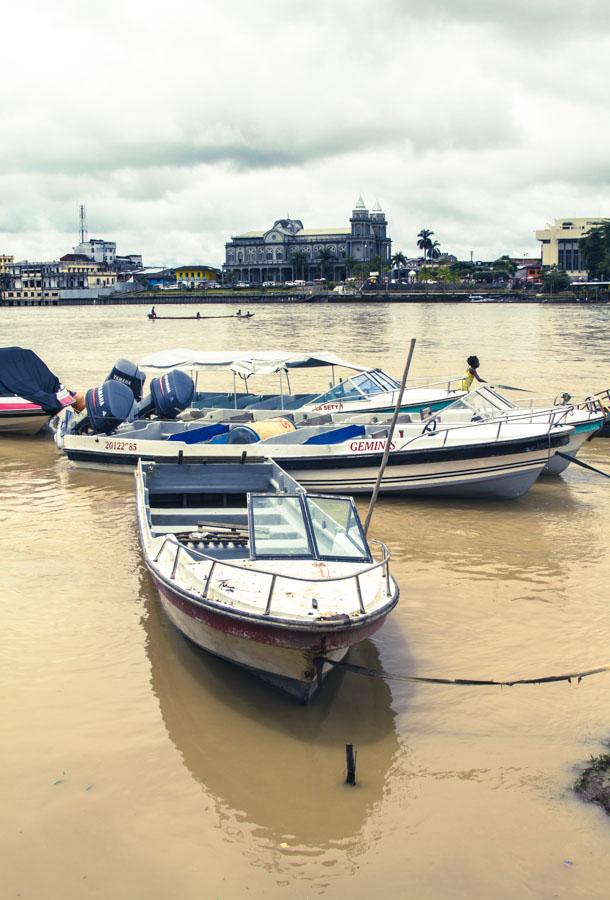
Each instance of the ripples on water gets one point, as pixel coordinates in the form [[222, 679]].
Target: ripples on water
[[462, 792]]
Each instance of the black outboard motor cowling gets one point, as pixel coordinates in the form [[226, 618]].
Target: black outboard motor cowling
[[169, 395], [107, 407], [128, 373]]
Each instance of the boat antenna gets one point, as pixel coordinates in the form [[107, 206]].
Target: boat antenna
[[388, 443]]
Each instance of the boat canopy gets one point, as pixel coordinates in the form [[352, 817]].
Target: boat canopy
[[24, 374], [243, 363]]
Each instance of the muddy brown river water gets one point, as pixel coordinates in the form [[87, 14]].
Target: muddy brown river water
[[132, 765]]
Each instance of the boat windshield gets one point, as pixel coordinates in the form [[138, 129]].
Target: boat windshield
[[345, 390], [386, 381], [483, 403], [306, 527], [360, 386]]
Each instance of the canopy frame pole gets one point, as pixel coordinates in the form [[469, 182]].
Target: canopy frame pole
[[234, 389], [332, 375], [388, 443], [288, 381], [281, 390]]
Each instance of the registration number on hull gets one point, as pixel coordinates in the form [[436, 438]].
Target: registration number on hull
[[121, 446]]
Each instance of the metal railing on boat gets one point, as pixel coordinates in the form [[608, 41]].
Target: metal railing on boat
[[192, 553]]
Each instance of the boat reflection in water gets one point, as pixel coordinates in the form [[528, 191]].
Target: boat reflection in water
[[275, 770]]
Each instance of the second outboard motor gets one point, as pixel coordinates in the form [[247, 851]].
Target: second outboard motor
[[126, 372], [106, 408], [169, 395]]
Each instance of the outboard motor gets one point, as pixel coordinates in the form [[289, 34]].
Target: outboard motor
[[169, 395], [106, 408], [126, 372]]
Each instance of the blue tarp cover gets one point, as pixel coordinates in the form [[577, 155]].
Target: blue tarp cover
[[23, 374]]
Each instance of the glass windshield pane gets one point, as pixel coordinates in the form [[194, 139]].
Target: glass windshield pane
[[279, 527], [367, 385], [386, 380], [481, 403], [345, 390], [336, 529]]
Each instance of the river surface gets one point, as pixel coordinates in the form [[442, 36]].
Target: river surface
[[133, 765]]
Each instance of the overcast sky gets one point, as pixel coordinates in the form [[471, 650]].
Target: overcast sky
[[179, 124]]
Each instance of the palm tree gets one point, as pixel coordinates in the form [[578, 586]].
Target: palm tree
[[399, 260], [424, 243], [434, 250], [325, 258], [299, 259]]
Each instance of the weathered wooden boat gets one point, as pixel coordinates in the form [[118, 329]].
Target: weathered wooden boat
[[194, 318], [30, 394], [255, 570]]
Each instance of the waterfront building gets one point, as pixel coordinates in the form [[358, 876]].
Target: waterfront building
[[559, 244], [195, 275], [97, 250], [33, 281], [78, 271], [132, 262], [5, 262], [527, 271], [287, 251]]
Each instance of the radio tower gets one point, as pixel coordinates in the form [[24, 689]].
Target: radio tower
[[83, 224]]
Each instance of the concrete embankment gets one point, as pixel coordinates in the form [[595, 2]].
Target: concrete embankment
[[245, 298]]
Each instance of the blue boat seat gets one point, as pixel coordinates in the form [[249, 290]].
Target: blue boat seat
[[199, 435], [337, 435]]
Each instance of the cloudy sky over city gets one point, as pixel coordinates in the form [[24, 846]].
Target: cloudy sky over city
[[179, 124]]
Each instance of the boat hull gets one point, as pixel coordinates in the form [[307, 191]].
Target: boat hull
[[28, 423], [289, 659], [506, 472], [558, 464]]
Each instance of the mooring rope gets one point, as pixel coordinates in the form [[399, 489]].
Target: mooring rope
[[463, 682]]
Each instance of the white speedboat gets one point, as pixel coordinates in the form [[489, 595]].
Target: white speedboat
[[369, 390], [256, 571], [485, 404], [489, 459]]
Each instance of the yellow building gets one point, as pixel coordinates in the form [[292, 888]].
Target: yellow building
[[192, 276], [559, 244], [80, 272], [5, 262]]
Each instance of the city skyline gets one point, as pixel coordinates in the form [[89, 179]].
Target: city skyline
[[178, 134]]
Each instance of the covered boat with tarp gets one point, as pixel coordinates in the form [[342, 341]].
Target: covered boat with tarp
[[29, 392]]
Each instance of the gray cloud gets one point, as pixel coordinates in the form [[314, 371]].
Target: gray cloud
[[478, 119]]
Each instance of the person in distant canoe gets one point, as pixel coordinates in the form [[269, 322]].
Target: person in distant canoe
[[198, 315], [153, 313], [239, 312], [472, 364]]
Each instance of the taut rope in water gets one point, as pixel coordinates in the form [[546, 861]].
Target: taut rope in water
[[465, 682]]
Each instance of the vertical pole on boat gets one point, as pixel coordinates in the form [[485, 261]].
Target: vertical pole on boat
[[388, 443], [234, 389]]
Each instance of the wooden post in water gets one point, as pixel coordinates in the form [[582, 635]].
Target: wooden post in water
[[350, 759], [386, 452]]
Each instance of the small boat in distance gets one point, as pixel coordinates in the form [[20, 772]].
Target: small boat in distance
[[198, 317], [258, 572]]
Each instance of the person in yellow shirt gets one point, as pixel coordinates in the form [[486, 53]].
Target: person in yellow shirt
[[472, 364]]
